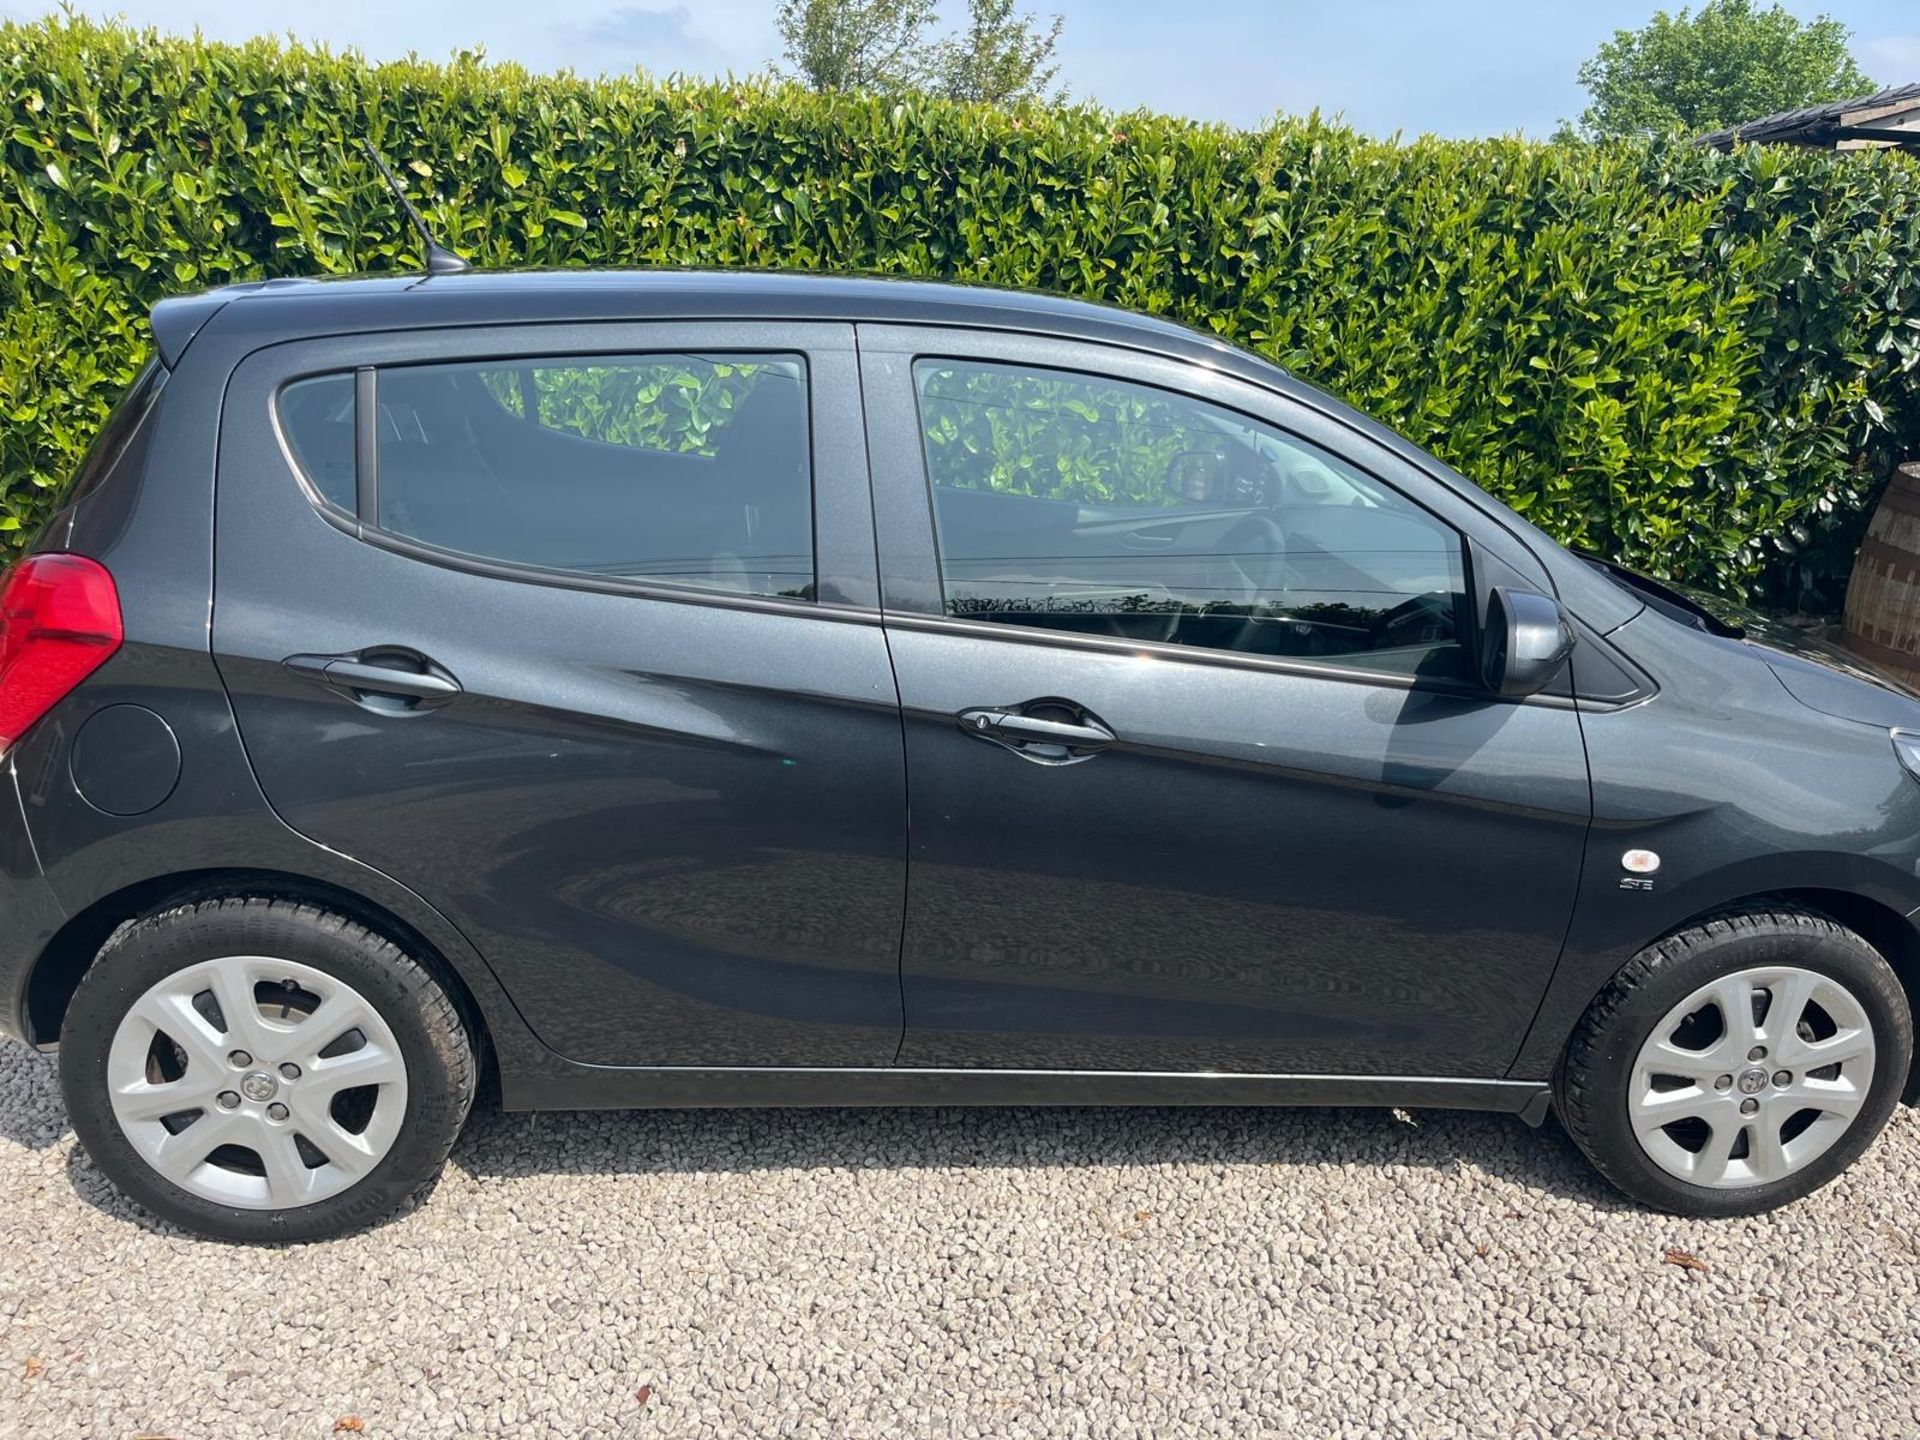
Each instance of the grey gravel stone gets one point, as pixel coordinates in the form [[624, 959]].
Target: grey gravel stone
[[1097, 1273]]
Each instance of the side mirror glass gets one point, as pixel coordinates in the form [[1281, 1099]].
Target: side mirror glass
[[1527, 643], [1197, 476]]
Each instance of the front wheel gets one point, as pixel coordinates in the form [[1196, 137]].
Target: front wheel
[[1738, 1065], [256, 1069]]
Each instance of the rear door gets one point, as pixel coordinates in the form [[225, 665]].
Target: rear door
[[573, 630], [1201, 774]]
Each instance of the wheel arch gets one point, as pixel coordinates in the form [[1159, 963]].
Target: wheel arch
[[57, 971], [1882, 927]]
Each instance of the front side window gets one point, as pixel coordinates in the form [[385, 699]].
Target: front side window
[[689, 469], [1092, 505]]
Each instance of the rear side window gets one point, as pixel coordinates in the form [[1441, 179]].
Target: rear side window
[[683, 468], [316, 416], [1086, 504]]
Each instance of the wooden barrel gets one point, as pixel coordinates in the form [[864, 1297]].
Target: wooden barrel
[[1883, 597]]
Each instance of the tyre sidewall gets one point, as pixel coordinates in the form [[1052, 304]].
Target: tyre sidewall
[[439, 1076]]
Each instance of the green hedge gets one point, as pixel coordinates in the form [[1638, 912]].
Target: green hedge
[[1700, 363]]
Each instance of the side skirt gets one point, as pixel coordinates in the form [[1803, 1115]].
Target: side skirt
[[602, 1087]]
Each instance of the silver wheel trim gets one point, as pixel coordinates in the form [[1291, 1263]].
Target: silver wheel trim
[[238, 1104], [1828, 1078]]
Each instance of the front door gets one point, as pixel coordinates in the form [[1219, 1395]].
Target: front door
[[574, 631], [1201, 776]]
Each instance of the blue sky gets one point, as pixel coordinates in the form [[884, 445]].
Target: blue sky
[[1471, 67]]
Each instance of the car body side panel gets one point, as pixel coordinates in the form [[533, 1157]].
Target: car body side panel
[[215, 821], [33, 914], [151, 524], [1278, 867], [1269, 872], [674, 826], [1739, 794], [1803, 801]]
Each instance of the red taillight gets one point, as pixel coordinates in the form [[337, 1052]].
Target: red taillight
[[59, 621]]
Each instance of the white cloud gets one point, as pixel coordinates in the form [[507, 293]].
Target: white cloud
[[649, 30]]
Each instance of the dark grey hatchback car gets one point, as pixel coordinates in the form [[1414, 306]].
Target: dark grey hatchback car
[[678, 689]]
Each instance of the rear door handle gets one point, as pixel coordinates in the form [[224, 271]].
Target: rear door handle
[[397, 676], [1002, 725], [1040, 737]]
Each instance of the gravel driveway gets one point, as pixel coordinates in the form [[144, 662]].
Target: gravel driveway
[[993, 1273]]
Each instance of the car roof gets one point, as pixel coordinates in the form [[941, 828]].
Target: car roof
[[291, 309]]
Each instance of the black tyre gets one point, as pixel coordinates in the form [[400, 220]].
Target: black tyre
[[1739, 1064], [261, 1070]]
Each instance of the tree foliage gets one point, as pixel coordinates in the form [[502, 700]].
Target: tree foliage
[[877, 45], [1699, 363], [999, 55], [1727, 63]]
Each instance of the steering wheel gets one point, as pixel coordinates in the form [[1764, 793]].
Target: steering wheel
[[1254, 547]]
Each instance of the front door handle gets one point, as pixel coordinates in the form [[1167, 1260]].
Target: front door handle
[[1049, 732], [390, 680]]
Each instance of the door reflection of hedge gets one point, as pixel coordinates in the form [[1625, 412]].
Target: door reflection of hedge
[[1025, 433]]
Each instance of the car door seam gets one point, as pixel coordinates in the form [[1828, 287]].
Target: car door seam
[[899, 703]]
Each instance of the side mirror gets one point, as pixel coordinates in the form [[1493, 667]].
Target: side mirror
[[1527, 644], [1196, 476]]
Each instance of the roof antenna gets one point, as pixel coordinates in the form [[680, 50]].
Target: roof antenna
[[440, 260]]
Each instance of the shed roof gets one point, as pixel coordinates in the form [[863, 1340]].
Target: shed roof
[[1889, 117]]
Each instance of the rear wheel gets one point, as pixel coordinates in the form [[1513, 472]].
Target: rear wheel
[[1740, 1064], [264, 1070]]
